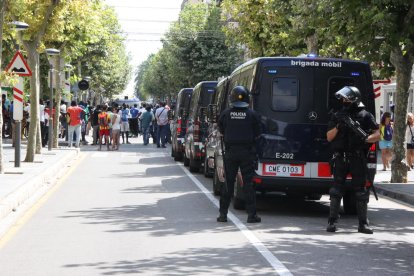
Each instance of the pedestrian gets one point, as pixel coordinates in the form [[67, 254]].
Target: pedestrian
[[124, 124], [116, 128], [63, 120], [133, 121], [104, 121], [74, 113], [95, 124], [409, 137], [240, 127], [385, 143], [43, 126], [350, 155], [161, 115], [146, 120]]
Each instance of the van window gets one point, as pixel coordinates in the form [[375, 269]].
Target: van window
[[285, 94]]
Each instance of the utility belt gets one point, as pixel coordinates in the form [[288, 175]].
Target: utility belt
[[350, 154]]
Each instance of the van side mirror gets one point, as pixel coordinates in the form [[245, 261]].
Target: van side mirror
[[212, 113], [170, 114]]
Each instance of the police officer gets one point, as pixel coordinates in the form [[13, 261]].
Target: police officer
[[350, 153], [240, 127]]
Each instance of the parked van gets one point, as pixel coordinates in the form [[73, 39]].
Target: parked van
[[213, 141], [294, 97], [197, 124], [178, 122]]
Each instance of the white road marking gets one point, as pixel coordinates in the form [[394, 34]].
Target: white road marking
[[260, 247]]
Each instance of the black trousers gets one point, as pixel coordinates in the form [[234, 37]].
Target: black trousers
[[236, 157]]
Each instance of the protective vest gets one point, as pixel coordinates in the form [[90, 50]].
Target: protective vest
[[238, 126]]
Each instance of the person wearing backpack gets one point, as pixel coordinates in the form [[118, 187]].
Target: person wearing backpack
[[385, 143], [104, 120]]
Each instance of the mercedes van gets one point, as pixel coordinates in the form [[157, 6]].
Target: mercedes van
[[197, 124], [294, 97]]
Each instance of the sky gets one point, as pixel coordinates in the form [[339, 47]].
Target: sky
[[144, 23]]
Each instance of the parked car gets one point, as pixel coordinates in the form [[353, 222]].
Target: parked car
[[178, 122], [197, 124], [294, 97]]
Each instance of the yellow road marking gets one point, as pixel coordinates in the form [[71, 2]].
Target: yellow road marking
[[36, 206]]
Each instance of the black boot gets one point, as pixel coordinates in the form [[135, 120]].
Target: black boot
[[253, 219], [362, 210], [222, 218], [331, 225], [334, 206]]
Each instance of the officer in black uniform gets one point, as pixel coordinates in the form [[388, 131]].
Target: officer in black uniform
[[240, 127], [350, 155]]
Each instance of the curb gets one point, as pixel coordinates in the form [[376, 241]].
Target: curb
[[407, 198], [37, 186]]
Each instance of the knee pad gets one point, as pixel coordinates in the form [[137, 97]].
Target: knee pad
[[335, 192], [362, 195]]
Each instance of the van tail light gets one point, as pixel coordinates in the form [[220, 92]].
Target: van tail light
[[179, 127], [196, 131], [257, 180]]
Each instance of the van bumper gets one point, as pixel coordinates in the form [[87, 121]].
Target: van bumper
[[293, 184]]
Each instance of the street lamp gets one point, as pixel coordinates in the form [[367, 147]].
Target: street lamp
[[51, 53], [18, 26], [69, 68]]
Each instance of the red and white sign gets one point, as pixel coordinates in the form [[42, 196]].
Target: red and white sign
[[18, 65], [18, 100]]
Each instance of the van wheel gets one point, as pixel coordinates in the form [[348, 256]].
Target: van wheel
[[178, 156], [207, 172], [349, 202], [238, 200], [194, 165], [186, 160], [216, 183]]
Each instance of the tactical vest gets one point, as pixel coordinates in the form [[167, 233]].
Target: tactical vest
[[238, 125]]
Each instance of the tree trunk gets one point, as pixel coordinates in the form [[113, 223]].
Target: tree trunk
[[33, 60], [2, 4], [312, 43], [403, 65], [58, 97]]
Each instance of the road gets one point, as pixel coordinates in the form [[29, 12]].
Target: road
[[137, 212]]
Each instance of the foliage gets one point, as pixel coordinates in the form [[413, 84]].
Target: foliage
[[194, 49]]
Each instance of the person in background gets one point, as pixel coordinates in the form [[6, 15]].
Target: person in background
[[124, 124], [116, 128], [43, 129], [95, 124], [74, 113], [133, 121], [104, 121], [385, 143], [146, 120], [409, 137], [63, 121], [161, 115]]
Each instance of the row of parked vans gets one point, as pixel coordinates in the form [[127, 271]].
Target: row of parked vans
[[294, 97]]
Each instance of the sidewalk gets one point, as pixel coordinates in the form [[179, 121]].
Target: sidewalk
[[30, 180]]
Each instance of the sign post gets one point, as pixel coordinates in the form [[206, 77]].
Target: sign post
[[19, 66]]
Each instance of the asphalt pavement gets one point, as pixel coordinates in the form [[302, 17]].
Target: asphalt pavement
[[32, 180]]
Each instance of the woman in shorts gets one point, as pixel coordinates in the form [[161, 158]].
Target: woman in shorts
[[385, 143]]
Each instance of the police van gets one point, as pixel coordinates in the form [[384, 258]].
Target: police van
[[178, 122], [294, 97], [197, 125]]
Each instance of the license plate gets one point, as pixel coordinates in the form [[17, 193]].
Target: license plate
[[283, 170]]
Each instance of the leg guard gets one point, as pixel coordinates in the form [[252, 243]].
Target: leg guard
[[362, 209]]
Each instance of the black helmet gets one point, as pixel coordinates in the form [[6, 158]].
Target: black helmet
[[239, 97], [351, 93]]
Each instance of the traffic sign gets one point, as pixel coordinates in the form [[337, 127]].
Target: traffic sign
[[18, 65], [18, 100], [83, 85]]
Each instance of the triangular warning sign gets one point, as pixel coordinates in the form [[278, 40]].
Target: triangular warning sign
[[19, 66]]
